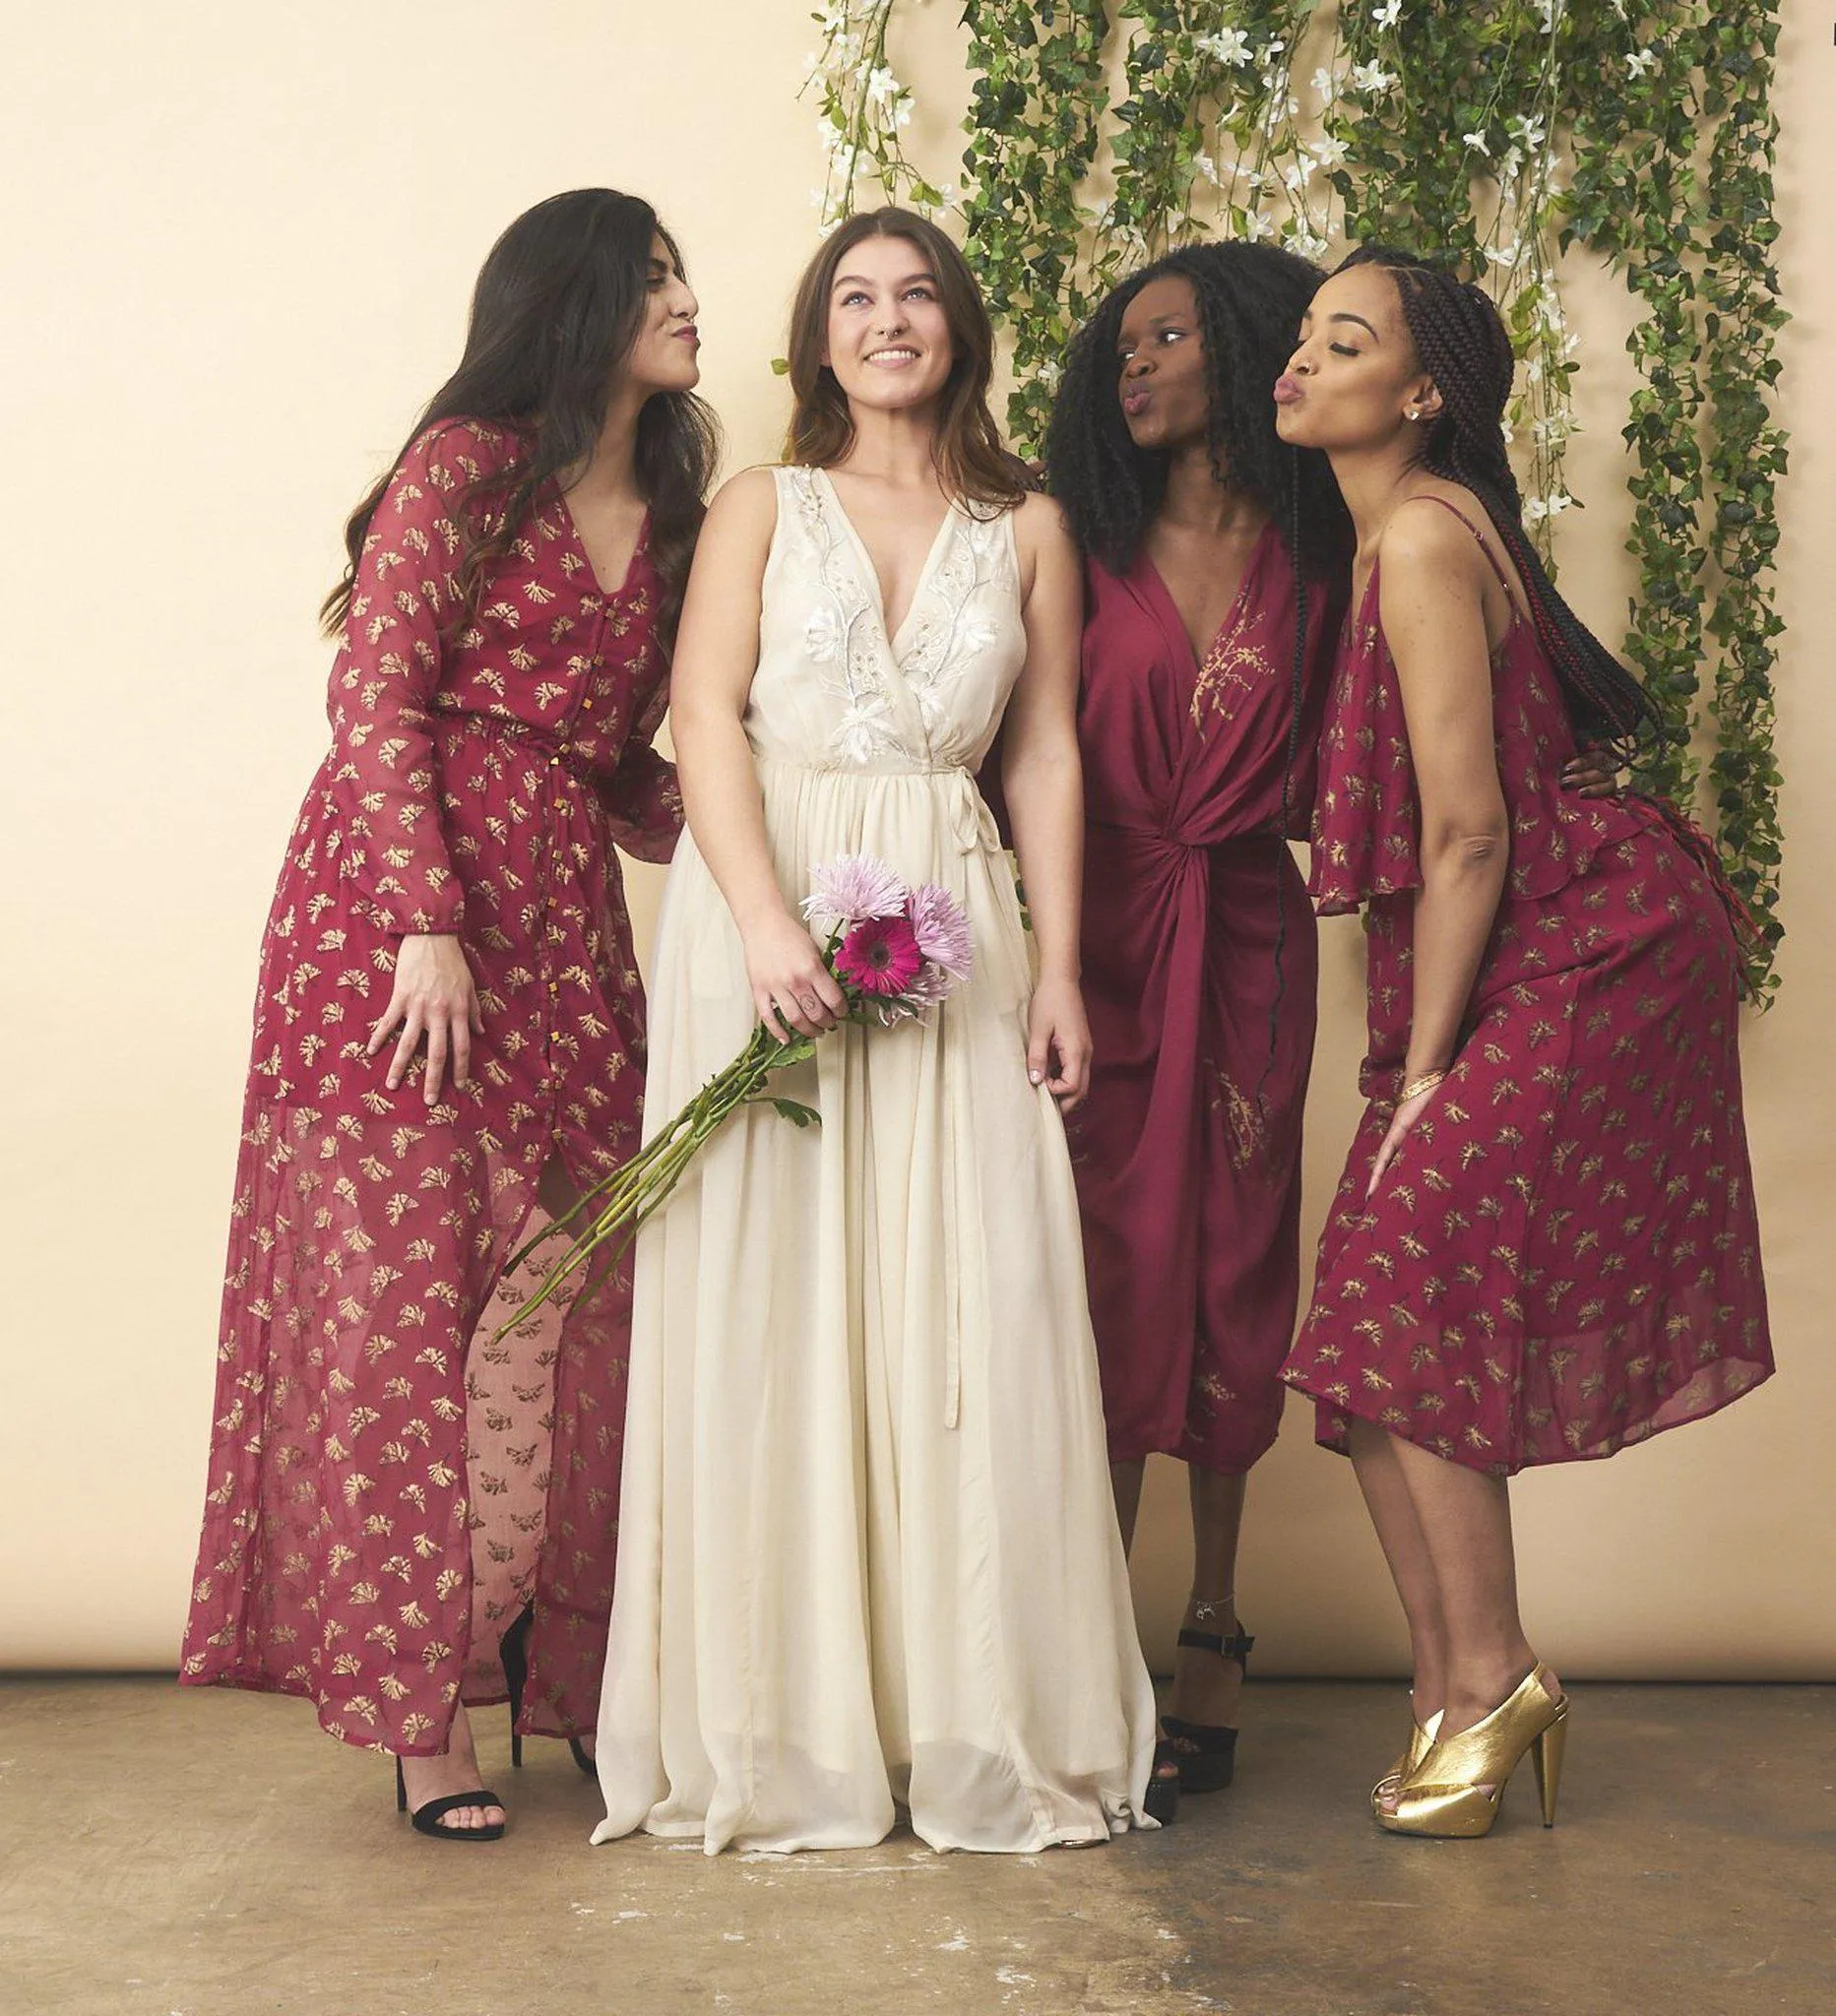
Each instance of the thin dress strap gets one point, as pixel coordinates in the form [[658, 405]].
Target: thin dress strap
[[1504, 579]]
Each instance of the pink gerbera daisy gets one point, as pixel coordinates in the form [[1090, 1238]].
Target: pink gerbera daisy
[[880, 957]]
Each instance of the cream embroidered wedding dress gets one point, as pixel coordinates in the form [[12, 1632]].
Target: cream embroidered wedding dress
[[868, 1550]]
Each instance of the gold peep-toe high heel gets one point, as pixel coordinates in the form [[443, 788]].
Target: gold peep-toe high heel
[[1456, 1791], [1422, 1737]]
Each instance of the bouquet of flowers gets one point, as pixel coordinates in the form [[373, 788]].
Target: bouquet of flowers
[[895, 951]]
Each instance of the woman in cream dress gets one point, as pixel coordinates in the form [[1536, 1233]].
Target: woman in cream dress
[[867, 1551]]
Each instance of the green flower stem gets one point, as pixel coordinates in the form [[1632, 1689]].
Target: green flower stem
[[624, 1201]]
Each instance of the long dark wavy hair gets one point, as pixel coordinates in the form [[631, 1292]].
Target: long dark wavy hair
[[973, 465], [1250, 299], [1462, 343], [558, 304]]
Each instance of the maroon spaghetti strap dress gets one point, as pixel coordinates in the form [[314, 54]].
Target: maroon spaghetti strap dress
[[1187, 1150], [1563, 1257], [389, 1483]]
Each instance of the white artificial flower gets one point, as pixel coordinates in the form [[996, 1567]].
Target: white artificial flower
[[1328, 151], [1476, 141], [1386, 15], [1206, 167], [1294, 177], [1228, 45], [1326, 84], [1527, 130], [1505, 256], [1267, 54], [1372, 77], [1257, 227], [1641, 60]]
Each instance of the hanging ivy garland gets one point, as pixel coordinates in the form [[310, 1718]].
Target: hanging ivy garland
[[1501, 136]]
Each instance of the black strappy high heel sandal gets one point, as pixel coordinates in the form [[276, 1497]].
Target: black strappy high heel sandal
[[513, 1650], [426, 1819], [1206, 1752]]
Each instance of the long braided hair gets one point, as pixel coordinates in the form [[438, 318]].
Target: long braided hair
[[1249, 299], [1462, 343]]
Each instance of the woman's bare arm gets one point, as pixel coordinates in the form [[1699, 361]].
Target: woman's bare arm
[[1043, 780], [716, 656]]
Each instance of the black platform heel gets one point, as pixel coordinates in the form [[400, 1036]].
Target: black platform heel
[[1162, 1801], [1206, 1752], [426, 1819], [513, 1650]]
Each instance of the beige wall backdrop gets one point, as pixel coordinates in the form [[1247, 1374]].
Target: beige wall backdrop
[[239, 246]]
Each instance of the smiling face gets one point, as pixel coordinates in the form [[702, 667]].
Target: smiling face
[[665, 354], [887, 338], [1354, 380], [1164, 381]]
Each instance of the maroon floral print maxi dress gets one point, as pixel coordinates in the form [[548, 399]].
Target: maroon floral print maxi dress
[[389, 1485], [1187, 1149], [1563, 1256]]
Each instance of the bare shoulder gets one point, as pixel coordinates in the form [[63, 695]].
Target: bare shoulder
[[1040, 527], [744, 514], [748, 497], [1423, 539]]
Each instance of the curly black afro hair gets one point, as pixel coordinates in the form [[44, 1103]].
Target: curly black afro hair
[[1250, 302]]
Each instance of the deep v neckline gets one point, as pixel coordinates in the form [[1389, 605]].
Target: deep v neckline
[[870, 573], [578, 541], [1233, 616]]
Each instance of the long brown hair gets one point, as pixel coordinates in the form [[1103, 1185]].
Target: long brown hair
[[558, 304], [974, 466]]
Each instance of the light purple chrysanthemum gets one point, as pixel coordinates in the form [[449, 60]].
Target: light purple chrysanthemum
[[851, 890], [942, 930]]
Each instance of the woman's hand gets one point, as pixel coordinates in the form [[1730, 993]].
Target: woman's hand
[[1593, 772], [434, 997], [1401, 1122], [794, 992], [1058, 1042]]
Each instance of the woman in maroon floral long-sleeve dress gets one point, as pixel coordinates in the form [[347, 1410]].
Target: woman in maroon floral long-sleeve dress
[[1544, 1246], [449, 1035]]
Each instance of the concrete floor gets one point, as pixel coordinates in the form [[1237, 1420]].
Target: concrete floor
[[185, 1854]]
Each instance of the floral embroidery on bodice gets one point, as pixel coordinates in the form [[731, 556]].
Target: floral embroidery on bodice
[[832, 689]]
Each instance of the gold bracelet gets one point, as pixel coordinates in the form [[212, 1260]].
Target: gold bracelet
[[1426, 1081]]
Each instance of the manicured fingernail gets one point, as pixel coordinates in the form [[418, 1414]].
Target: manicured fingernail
[[1036, 1076]]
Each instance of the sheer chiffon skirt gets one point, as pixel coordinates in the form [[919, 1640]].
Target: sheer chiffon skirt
[[868, 1556]]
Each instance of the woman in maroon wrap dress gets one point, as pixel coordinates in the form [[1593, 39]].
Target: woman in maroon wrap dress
[[449, 1033], [1544, 1246], [1203, 678]]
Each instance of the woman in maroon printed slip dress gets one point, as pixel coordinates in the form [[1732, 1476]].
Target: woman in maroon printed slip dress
[[407, 1513], [1544, 1246]]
